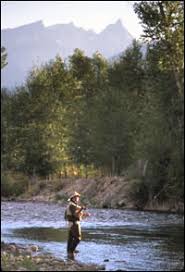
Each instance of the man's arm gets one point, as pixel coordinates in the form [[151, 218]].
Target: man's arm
[[78, 212]]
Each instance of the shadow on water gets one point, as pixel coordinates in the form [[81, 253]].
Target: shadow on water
[[173, 234], [42, 234]]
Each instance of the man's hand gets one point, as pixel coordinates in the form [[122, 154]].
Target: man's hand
[[86, 214]]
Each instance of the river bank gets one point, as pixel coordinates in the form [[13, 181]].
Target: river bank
[[105, 192], [29, 258]]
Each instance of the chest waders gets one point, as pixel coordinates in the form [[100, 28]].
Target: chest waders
[[74, 236], [74, 231]]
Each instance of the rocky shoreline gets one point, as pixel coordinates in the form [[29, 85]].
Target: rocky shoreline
[[31, 258], [108, 193]]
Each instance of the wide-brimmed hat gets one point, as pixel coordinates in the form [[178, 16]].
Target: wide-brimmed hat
[[74, 195]]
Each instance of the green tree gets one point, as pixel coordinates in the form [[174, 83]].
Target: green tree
[[6, 144], [115, 112], [37, 120], [163, 23], [47, 87], [89, 74]]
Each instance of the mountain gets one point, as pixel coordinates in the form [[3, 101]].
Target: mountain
[[34, 44]]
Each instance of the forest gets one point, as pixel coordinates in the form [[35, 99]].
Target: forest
[[91, 116]]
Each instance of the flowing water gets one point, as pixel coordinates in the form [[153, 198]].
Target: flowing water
[[119, 239]]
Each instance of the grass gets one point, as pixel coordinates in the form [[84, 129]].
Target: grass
[[28, 264], [12, 263]]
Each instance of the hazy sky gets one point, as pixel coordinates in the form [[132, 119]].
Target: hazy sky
[[95, 15]]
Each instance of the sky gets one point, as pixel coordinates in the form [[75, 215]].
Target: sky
[[94, 15]]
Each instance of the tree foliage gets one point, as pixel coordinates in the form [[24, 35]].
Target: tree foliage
[[91, 113]]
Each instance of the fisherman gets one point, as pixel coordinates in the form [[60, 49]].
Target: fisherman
[[73, 214]]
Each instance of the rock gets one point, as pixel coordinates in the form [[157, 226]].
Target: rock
[[4, 253], [56, 262], [101, 267], [23, 269], [34, 248], [28, 256], [12, 258], [38, 260], [12, 248], [44, 262], [27, 252], [106, 205], [20, 258], [121, 203]]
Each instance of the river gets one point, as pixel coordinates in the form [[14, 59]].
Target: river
[[119, 239]]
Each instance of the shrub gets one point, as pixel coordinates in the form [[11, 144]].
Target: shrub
[[60, 196], [42, 184], [13, 184], [57, 184], [138, 192]]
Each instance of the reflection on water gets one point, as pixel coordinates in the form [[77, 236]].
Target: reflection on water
[[42, 234], [127, 240]]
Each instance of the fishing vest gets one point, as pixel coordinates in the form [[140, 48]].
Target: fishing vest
[[69, 215]]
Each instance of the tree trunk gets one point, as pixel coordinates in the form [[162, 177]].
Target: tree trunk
[[86, 172], [113, 165]]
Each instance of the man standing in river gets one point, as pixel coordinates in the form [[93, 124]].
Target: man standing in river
[[73, 214]]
